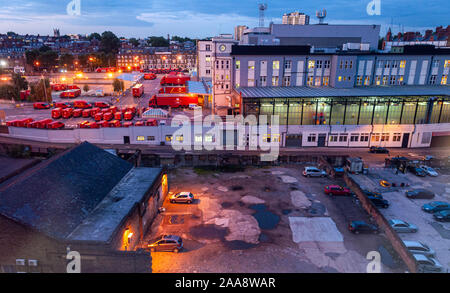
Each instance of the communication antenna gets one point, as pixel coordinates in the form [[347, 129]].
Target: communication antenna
[[321, 15], [262, 8]]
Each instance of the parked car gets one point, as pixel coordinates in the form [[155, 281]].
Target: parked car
[[373, 194], [427, 264], [379, 202], [362, 227], [419, 194], [400, 226], [102, 105], [416, 247], [183, 197], [442, 216], [56, 125], [41, 106], [313, 172], [417, 171], [430, 171], [62, 105], [436, 206], [166, 243], [336, 190], [378, 150]]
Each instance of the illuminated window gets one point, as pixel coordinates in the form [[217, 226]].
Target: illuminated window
[[340, 78], [275, 81], [376, 137], [209, 138], [326, 80], [378, 80], [367, 80], [396, 137], [447, 63], [402, 64], [334, 137], [180, 138], [198, 138], [310, 81], [140, 138], [444, 79], [276, 65], [168, 138], [359, 80], [385, 137], [238, 64], [311, 64]]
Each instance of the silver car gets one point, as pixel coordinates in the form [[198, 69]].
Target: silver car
[[182, 197], [400, 226], [313, 172], [430, 171], [416, 247], [427, 264]]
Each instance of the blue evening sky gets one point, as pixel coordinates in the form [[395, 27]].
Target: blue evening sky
[[204, 18]]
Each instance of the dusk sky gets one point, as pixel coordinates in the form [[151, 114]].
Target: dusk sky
[[204, 18]]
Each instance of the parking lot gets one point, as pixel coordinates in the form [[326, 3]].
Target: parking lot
[[261, 220], [430, 232]]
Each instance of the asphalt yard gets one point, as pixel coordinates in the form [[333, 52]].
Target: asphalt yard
[[261, 220]]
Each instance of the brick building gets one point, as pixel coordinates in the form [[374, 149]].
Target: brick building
[[86, 200]]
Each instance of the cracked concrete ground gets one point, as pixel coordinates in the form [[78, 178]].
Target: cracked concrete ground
[[229, 226]]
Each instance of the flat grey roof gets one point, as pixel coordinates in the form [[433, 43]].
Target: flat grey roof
[[101, 224], [298, 92]]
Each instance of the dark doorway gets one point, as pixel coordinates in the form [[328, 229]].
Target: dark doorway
[[294, 140], [321, 140], [405, 140], [126, 140]]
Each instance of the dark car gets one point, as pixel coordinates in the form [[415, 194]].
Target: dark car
[[373, 194], [379, 202], [436, 206], [166, 243], [378, 150], [362, 227], [417, 171], [419, 194], [442, 216]]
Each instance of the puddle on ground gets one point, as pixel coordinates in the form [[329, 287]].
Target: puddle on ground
[[263, 238], [208, 232], [266, 219], [226, 205], [238, 245], [317, 209]]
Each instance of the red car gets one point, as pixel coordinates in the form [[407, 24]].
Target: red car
[[101, 105], [40, 105], [56, 125], [62, 105], [24, 122], [43, 123], [83, 124], [336, 190], [140, 123]]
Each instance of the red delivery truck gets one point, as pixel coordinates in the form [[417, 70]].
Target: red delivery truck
[[108, 116], [67, 113], [98, 117], [94, 112], [56, 113], [115, 123], [118, 116], [24, 122], [103, 123], [86, 113], [138, 90], [77, 113], [42, 124]]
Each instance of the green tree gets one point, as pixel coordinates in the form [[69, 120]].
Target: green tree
[[86, 88], [18, 83], [41, 91], [110, 43], [44, 48], [118, 85], [94, 36], [66, 60], [7, 92], [31, 56], [48, 58], [134, 42], [158, 42]]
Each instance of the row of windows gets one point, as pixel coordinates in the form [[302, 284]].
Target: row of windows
[[358, 137], [351, 112]]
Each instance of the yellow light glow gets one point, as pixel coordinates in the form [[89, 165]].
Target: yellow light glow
[[63, 79], [79, 75], [110, 75]]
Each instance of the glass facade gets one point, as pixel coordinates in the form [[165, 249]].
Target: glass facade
[[352, 111]]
